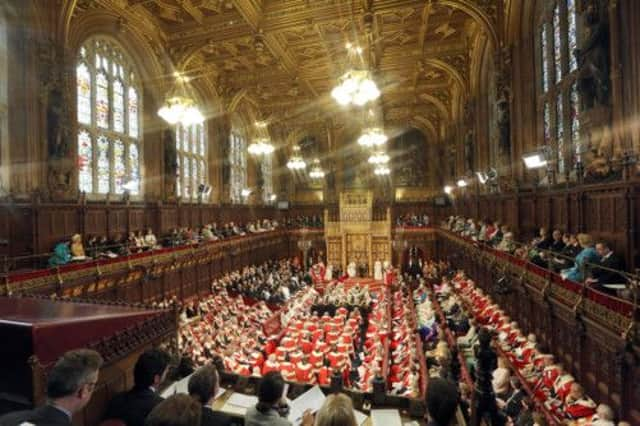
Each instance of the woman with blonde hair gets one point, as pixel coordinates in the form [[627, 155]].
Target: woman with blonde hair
[[337, 410], [588, 254]]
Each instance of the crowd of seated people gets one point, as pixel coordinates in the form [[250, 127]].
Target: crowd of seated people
[[72, 380], [273, 281], [520, 358], [301, 222], [336, 294], [99, 246], [412, 220], [576, 257], [405, 367], [227, 329]]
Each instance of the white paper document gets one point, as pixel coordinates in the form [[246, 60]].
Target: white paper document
[[182, 386], [242, 400], [386, 418], [234, 409], [360, 417], [310, 400]]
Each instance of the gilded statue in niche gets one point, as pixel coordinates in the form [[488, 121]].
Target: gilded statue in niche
[[503, 119], [408, 155], [58, 140], [593, 56], [170, 161]]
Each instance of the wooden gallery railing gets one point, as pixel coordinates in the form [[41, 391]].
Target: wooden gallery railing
[[593, 334], [149, 276]]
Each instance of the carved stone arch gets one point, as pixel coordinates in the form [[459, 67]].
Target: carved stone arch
[[477, 14], [134, 45], [425, 126], [440, 106], [449, 70]]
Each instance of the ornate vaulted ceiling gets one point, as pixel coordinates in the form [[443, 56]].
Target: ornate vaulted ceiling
[[284, 56]]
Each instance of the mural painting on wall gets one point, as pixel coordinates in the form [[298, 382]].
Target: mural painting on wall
[[408, 153], [310, 149], [356, 169]]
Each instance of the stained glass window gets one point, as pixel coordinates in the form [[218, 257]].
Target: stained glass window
[[560, 133], [85, 158], [118, 106], [544, 44], [108, 111], [575, 122], [557, 42], [559, 73], [572, 34], [119, 166], [84, 94], [547, 123], [238, 163], [267, 178], [133, 112], [102, 100], [104, 167], [134, 168], [191, 149]]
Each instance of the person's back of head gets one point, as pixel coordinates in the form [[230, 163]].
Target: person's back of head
[[73, 378], [203, 384], [337, 410], [442, 401], [270, 391], [150, 368], [177, 410]]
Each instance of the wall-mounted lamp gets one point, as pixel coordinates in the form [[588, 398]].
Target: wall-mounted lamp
[[536, 160]]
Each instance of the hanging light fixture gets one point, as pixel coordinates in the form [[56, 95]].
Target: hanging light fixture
[[179, 107], [296, 162], [316, 171], [260, 147], [382, 170], [372, 137], [379, 158], [355, 87]]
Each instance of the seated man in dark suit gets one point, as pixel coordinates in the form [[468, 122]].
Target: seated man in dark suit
[[133, 406], [609, 260], [203, 387], [70, 385]]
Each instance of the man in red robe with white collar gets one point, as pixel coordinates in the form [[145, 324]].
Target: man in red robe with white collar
[[304, 371], [578, 405], [271, 364]]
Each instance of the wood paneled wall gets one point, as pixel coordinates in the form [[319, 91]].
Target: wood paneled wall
[[607, 211], [587, 338], [182, 272], [35, 228]]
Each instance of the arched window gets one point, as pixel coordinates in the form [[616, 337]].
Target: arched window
[[108, 115], [191, 146], [238, 162], [266, 167], [558, 93]]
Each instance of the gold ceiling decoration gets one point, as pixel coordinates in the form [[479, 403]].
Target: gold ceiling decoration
[[285, 56]]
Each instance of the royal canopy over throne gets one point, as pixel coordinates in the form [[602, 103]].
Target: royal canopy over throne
[[357, 236]]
